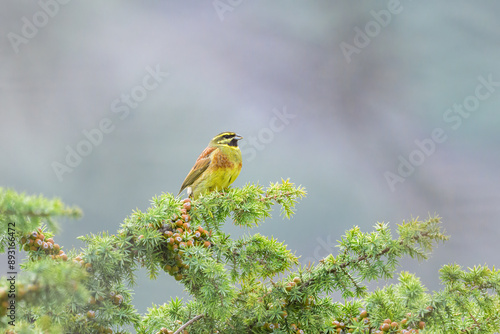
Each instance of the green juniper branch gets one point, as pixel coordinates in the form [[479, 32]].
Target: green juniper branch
[[248, 285]]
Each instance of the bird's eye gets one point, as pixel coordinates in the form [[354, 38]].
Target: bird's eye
[[228, 136]]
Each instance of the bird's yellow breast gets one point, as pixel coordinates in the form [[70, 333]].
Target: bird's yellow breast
[[225, 166]]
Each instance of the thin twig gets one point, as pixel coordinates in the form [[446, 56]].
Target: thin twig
[[268, 197], [475, 321], [353, 281], [476, 325], [362, 258], [198, 317], [27, 213]]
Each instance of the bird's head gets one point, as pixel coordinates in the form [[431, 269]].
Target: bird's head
[[226, 139]]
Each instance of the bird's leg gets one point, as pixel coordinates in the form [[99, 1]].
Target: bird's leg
[[189, 192]]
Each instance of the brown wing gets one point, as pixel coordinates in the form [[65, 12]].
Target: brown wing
[[199, 167]]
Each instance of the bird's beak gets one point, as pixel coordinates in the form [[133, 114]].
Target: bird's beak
[[238, 137]]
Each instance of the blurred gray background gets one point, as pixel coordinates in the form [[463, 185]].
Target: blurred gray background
[[333, 95]]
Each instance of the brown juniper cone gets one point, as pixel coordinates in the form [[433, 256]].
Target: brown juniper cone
[[164, 330], [36, 241], [179, 235], [388, 326]]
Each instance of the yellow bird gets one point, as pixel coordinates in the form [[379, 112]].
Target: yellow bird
[[216, 167]]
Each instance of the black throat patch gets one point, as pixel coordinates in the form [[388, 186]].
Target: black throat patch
[[233, 142]]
